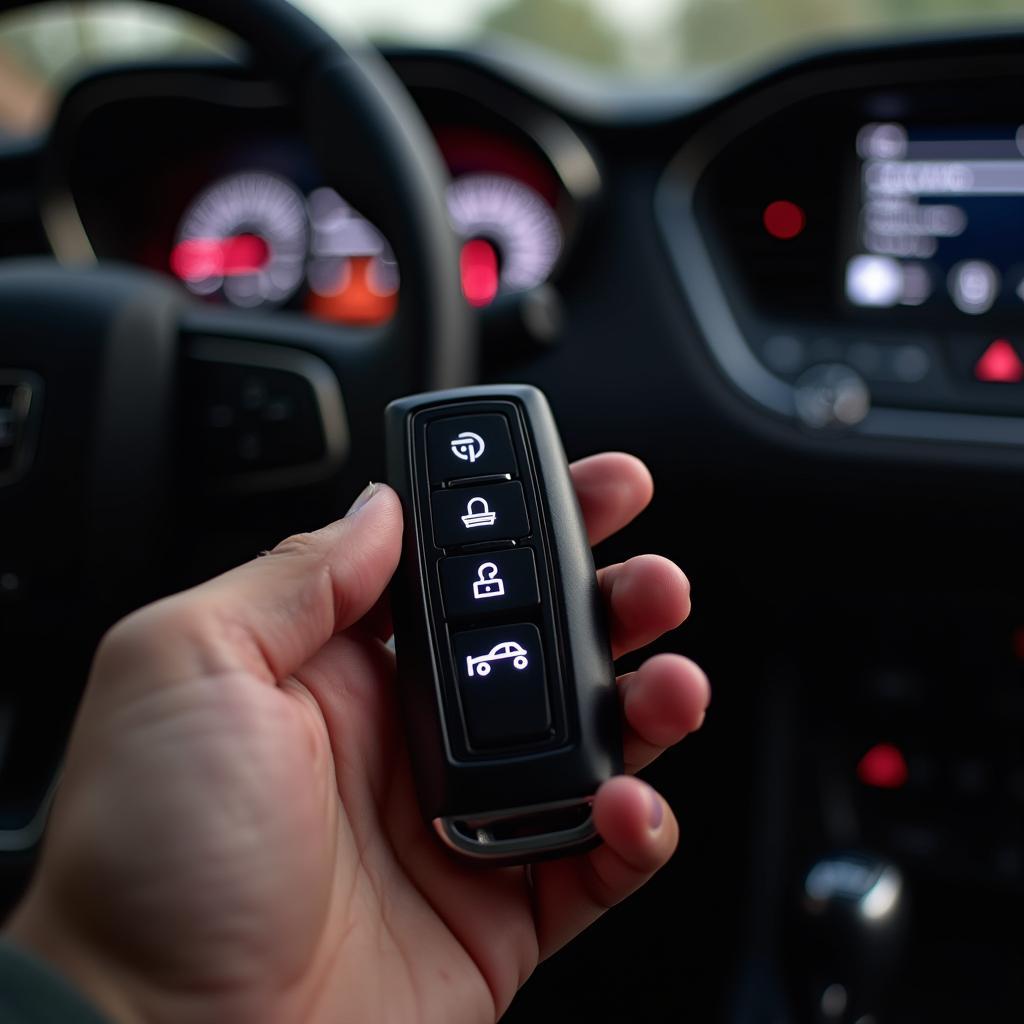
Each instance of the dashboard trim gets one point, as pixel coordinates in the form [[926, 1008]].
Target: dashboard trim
[[676, 215], [61, 219]]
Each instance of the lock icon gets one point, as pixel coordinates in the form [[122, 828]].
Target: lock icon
[[489, 583], [478, 513]]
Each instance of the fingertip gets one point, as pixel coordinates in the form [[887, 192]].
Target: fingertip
[[613, 488], [666, 699], [620, 468], [636, 823], [647, 596]]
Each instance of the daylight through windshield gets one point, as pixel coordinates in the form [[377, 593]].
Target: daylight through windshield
[[635, 39]]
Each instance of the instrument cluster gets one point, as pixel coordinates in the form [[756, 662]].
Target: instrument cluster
[[255, 237], [228, 199]]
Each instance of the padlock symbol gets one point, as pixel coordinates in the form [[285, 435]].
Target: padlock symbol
[[478, 513], [489, 583]]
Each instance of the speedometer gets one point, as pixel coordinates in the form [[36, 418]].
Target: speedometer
[[512, 236], [245, 238]]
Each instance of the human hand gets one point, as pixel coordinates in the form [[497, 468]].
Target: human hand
[[236, 836]]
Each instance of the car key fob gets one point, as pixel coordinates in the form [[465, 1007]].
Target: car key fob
[[504, 668]]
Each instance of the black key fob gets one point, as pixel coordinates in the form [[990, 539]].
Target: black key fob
[[504, 668]]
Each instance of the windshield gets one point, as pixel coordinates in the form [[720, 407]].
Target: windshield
[[43, 46]]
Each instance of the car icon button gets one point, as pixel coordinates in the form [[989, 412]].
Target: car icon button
[[502, 686], [462, 447]]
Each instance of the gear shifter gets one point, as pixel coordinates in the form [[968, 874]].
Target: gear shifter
[[853, 926]]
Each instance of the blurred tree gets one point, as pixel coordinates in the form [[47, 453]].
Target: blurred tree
[[721, 31], [570, 27]]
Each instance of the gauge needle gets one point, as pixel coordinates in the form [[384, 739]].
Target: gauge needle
[[197, 259]]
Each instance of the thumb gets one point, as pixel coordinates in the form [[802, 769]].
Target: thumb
[[271, 615]]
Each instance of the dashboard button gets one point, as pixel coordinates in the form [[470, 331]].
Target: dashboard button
[[500, 673], [468, 446], [488, 584], [472, 515]]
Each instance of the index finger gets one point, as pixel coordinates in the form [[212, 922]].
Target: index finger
[[613, 489]]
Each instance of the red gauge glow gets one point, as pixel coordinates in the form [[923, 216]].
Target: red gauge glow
[[478, 264], [197, 258], [244, 239], [513, 220], [784, 220]]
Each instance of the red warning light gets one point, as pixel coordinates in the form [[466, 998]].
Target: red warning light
[[1000, 364], [883, 767], [783, 219]]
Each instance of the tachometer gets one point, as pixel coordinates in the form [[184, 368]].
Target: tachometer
[[246, 237], [512, 236]]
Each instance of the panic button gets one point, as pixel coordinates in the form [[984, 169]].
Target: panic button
[[468, 446]]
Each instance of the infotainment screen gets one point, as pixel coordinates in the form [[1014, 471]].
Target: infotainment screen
[[941, 218]]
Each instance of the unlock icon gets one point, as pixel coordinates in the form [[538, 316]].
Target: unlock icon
[[488, 583]]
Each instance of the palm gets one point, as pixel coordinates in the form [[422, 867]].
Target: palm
[[412, 914]]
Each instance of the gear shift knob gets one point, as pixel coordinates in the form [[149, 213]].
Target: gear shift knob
[[854, 918]]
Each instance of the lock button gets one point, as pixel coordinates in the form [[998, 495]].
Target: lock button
[[478, 515], [479, 586]]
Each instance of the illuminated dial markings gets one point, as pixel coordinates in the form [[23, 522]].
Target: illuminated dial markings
[[520, 226], [245, 237]]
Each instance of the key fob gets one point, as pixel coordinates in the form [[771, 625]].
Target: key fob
[[504, 668]]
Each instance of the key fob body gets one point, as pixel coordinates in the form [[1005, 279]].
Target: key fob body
[[504, 668]]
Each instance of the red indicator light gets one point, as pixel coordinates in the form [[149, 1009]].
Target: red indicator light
[[783, 219], [883, 767], [1000, 364], [198, 259], [478, 264]]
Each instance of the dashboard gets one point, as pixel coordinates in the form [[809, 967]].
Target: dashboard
[[215, 187], [800, 298], [868, 276]]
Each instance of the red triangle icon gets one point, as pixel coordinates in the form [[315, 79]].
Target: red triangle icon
[[1000, 364]]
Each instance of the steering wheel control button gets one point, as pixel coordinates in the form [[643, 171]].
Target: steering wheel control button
[[474, 586], [500, 674], [472, 515], [261, 415], [470, 446], [20, 397]]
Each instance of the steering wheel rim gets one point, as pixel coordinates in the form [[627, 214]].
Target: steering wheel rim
[[86, 514], [396, 177]]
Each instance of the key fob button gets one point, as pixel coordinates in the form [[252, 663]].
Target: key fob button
[[468, 446], [502, 685], [498, 581], [471, 515]]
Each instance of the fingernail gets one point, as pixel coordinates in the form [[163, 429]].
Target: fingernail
[[657, 812], [367, 493]]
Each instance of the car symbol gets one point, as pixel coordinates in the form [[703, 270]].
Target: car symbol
[[481, 665]]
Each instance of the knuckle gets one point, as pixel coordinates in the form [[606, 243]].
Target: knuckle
[[136, 635], [298, 544]]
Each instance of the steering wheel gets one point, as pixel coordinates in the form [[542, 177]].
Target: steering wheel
[[115, 384]]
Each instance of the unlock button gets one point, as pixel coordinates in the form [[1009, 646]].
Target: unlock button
[[478, 586]]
